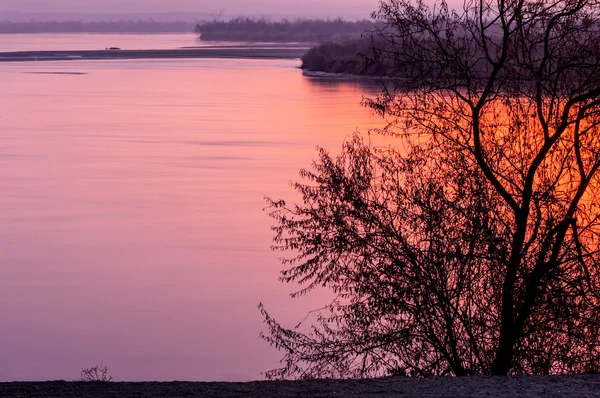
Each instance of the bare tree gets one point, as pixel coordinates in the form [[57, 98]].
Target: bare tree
[[471, 244], [97, 373]]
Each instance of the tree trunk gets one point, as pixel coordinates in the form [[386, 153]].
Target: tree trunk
[[504, 355]]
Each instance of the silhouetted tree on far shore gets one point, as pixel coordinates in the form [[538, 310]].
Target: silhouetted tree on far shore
[[470, 245], [300, 30]]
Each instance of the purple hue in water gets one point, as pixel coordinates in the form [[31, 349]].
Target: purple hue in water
[[132, 228]]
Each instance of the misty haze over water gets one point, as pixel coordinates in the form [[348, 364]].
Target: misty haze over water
[[191, 17]]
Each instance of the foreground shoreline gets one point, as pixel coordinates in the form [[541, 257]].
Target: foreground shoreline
[[517, 386], [202, 52]]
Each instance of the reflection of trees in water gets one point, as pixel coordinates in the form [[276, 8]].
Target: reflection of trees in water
[[471, 247], [328, 83]]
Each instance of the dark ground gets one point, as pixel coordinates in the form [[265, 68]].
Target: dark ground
[[446, 387]]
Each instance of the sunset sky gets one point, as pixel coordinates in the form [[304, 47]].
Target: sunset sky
[[230, 6]]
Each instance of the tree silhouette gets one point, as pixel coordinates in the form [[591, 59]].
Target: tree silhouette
[[304, 30], [469, 245]]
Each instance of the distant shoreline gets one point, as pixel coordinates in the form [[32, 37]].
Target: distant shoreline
[[343, 76], [456, 387], [115, 54]]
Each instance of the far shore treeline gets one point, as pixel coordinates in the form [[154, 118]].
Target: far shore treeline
[[347, 57], [301, 30], [340, 46]]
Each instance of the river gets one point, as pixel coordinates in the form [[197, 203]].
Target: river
[[132, 229], [95, 41]]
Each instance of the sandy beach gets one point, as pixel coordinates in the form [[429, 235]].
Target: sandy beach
[[501, 387]]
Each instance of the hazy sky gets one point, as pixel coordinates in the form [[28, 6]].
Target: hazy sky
[[230, 6]]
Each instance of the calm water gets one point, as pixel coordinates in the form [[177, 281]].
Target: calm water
[[132, 228], [95, 41], [92, 41]]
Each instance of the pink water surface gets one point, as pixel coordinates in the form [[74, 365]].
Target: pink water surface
[[98, 41], [132, 228]]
